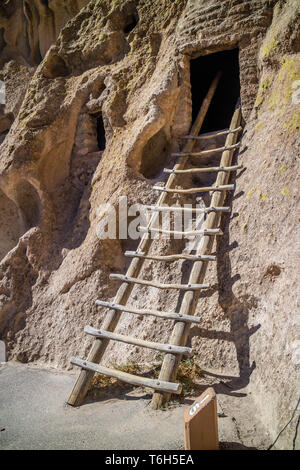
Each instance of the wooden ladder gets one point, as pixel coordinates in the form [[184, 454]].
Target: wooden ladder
[[166, 383]]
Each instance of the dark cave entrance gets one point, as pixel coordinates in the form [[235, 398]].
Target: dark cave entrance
[[203, 71], [29, 204], [131, 22], [101, 134]]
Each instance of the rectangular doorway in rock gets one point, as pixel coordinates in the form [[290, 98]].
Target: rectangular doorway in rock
[[203, 70]]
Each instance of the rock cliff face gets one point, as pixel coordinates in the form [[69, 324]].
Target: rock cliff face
[[98, 95], [29, 27]]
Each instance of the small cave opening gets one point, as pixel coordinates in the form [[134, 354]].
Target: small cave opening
[[155, 154], [29, 203], [130, 23], [101, 134], [203, 70], [89, 144]]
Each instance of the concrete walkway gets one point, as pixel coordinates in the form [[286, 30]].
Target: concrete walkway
[[34, 415]]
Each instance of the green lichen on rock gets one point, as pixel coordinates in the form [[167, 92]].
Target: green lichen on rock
[[278, 91], [267, 48], [259, 125], [282, 89], [262, 90], [285, 192], [282, 34], [290, 68], [292, 124]]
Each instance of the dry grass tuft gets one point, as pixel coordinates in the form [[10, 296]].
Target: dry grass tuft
[[188, 375]]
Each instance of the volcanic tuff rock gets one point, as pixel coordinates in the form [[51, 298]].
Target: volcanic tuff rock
[[122, 66]]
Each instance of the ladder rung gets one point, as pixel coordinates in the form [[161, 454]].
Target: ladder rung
[[205, 231], [167, 348], [204, 170], [168, 387], [154, 313], [158, 285], [205, 152], [201, 210], [204, 189], [134, 254], [209, 135]]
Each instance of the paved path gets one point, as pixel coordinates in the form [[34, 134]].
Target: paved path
[[35, 416]]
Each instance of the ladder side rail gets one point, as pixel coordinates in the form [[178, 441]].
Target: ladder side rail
[[181, 330]]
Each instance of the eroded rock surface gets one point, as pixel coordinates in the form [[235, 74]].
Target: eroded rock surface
[[29, 27], [123, 68]]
